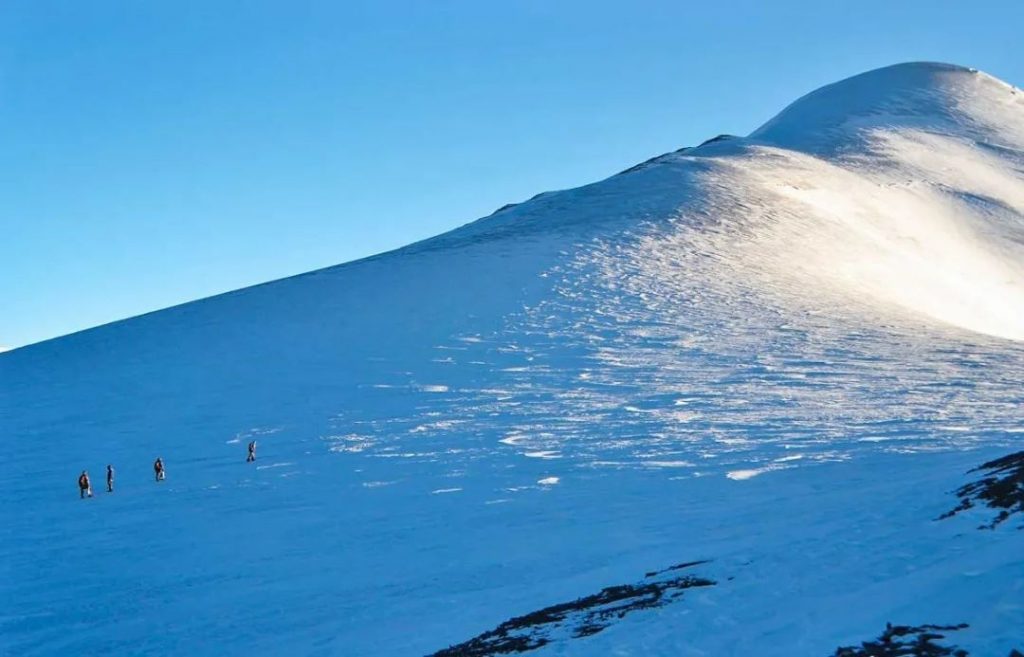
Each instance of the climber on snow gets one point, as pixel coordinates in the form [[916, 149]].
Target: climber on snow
[[84, 487], [110, 479], [252, 452], [158, 468]]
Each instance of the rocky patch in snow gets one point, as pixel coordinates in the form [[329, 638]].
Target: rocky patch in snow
[[1002, 488], [581, 617], [908, 641], [678, 566]]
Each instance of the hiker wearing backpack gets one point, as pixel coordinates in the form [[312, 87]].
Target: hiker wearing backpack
[[84, 485]]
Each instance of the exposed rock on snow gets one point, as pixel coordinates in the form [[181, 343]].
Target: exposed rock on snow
[[908, 641], [912, 641], [678, 566], [582, 617], [1002, 489]]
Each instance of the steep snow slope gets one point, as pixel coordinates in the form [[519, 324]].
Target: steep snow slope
[[777, 353]]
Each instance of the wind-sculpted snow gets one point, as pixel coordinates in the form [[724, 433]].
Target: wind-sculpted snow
[[779, 351], [932, 97]]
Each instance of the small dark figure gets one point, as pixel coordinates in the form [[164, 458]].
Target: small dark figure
[[158, 468], [252, 452], [110, 479], [84, 486]]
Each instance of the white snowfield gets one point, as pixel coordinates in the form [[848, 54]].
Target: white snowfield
[[778, 353]]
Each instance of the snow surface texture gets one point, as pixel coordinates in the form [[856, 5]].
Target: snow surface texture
[[779, 354]]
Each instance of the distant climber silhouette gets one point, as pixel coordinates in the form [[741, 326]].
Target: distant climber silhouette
[[110, 479], [158, 469], [252, 452]]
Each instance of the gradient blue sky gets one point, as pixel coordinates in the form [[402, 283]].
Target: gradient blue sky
[[157, 152]]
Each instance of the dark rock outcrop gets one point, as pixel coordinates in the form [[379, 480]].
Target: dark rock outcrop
[[581, 617], [907, 641], [1002, 489]]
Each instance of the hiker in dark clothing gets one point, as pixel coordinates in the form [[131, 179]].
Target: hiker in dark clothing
[[84, 486], [158, 468], [110, 479], [252, 452]]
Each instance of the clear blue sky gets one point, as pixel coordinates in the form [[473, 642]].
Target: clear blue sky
[[157, 152]]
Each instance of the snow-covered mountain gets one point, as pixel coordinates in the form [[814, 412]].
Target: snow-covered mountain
[[721, 403]]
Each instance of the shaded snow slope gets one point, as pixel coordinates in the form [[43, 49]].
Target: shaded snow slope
[[779, 354]]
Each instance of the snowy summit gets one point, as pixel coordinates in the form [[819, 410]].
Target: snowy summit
[[761, 396]]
